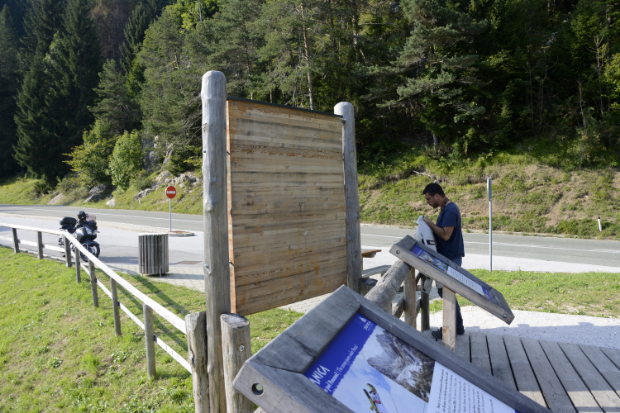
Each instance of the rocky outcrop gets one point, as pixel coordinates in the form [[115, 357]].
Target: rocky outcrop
[[98, 192], [57, 200]]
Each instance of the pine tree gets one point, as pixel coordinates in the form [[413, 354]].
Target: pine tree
[[9, 76], [74, 73], [36, 149], [441, 53], [115, 107], [43, 20]]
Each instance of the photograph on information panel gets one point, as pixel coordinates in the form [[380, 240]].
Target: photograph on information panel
[[436, 262], [368, 369]]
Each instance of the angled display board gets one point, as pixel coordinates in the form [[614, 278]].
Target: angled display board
[[287, 235], [348, 355], [453, 276]]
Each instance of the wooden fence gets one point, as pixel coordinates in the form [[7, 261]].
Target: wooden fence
[[194, 325]]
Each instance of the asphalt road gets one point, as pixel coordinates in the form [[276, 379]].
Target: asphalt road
[[564, 250]]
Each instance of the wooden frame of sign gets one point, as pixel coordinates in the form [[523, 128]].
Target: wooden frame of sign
[[496, 306], [274, 377]]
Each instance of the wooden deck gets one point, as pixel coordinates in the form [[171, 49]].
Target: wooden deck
[[560, 376]]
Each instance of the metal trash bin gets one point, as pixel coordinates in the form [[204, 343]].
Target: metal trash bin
[[153, 254]]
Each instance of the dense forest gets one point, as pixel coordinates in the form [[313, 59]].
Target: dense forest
[[98, 90]]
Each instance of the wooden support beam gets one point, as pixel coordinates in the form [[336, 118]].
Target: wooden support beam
[[449, 319], [93, 282], [425, 319], [409, 295], [215, 212], [196, 325], [149, 340], [236, 347], [39, 245], [385, 290], [351, 196], [115, 308]]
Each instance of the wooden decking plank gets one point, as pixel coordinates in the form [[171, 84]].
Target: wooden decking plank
[[613, 355], [608, 370], [575, 388], [499, 360], [462, 347], [555, 395], [480, 352], [600, 389], [522, 371]]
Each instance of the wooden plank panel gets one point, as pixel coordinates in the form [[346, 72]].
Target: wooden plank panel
[[525, 379], [554, 393], [287, 212], [462, 347], [244, 277], [576, 389], [600, 389], [499, 360], [608, 370], [613, 355], [480, 352]]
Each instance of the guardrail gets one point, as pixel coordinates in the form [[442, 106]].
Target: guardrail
[[149, 306]]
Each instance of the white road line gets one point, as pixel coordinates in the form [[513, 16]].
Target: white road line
[[515, 245], [117, 215]]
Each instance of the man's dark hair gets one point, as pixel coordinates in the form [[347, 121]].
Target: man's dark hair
[[433, 189]]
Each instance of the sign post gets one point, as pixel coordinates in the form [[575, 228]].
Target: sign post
[[490, 195], [171, 192]]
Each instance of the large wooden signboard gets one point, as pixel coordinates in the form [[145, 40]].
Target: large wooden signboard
[[349, 355], [287, 235], [453, 276]]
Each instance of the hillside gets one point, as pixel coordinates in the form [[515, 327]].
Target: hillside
[[528, 196]]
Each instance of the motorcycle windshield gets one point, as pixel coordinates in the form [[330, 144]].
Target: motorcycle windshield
[[91, 220]]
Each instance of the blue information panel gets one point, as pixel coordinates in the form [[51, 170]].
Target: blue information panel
[[369, 369]]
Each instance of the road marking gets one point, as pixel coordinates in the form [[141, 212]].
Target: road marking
[[516, 245], [118, 215]]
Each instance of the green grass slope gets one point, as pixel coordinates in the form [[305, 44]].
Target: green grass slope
[[530, 194], [60, 354]]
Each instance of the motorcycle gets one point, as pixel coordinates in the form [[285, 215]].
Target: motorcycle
[[85, 230]]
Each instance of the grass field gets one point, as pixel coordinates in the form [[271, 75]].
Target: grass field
[[58, 353]]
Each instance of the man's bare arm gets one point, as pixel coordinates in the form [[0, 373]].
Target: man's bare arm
[[442, 232]]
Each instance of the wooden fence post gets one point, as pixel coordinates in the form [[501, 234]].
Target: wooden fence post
[[93, 283], [15, 241], [449, 319], [67, 252], [78, 276], [117, 316], [410, 299], [215, 212], [196, 325], [39, 245], [237, 349], [351, 197], [149, 340], [424, 307]]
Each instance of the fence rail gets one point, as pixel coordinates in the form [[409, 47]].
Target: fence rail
[[115, 279]]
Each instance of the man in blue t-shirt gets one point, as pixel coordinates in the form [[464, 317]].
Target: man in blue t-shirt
[[448, 238]]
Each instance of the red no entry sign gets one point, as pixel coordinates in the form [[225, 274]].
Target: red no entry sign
[[171, 192]]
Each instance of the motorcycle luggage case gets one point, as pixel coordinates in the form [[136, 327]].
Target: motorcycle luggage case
[[68, 221]]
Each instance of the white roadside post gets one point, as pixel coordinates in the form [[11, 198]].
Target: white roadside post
[[171, 192], [490, 195]]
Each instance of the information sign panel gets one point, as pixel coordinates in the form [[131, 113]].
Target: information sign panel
[[347, 355], [452, 276]]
